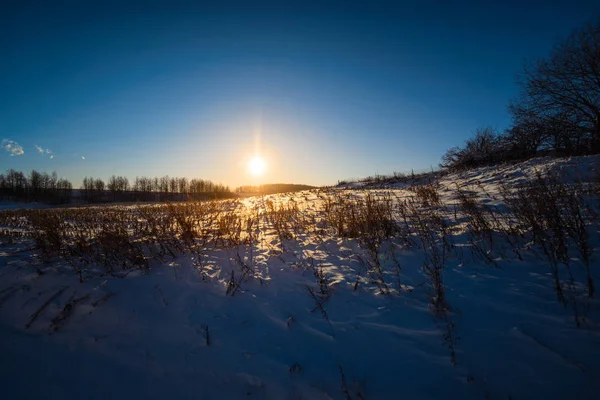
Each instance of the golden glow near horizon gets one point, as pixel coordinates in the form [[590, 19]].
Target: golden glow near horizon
[[257, 166]]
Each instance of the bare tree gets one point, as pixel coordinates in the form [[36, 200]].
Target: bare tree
[[173, 186], [183, 185], [485, 147], [563, 91], [113, 186]]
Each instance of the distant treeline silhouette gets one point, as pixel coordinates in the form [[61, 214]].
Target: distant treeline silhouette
[[38, 186], [557, 111], [272, 188], [48, 188], [144, 188]]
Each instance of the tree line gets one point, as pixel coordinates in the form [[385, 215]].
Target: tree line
[[48, 188], [37, 186], [118, 188], [557, 110]]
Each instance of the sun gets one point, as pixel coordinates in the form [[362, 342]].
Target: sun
[[257, 166]]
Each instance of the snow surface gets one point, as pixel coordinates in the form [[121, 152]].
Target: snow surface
[[174, 333], [15, 205]]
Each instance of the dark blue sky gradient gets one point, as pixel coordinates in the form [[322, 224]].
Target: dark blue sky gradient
[[155, 88]]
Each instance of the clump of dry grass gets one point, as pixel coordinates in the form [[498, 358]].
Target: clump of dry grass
[[557, 218], [47, 230], [427, 194], [489, 230]]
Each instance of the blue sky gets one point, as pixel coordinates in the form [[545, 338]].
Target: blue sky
[[321, 92]]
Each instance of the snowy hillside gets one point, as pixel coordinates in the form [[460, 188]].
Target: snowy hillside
[[474, 285]]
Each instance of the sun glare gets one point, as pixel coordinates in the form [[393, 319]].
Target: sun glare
[[257, 166]]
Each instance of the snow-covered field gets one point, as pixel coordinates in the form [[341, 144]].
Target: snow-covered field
[[15, 205], [400, 291]]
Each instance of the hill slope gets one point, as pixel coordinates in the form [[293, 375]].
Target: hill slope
[[440, 289]]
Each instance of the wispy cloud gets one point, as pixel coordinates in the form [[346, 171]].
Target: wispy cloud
[[14, 148], [43, 151]]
